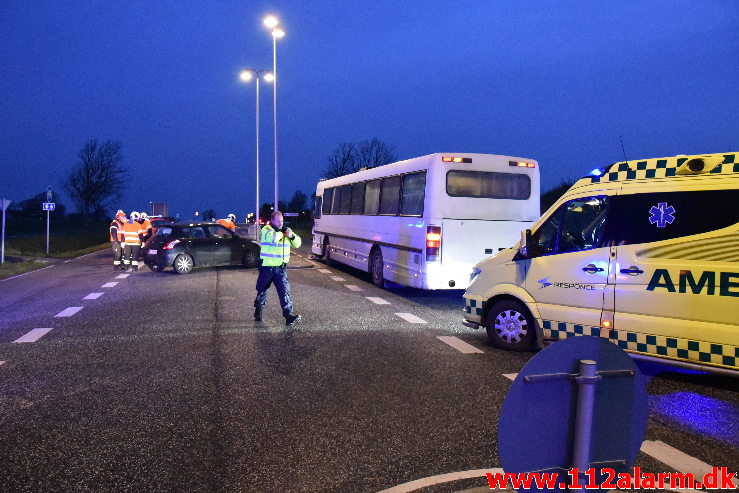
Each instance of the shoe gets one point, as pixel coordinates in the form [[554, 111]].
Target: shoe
[[258, 315], [292, 319]]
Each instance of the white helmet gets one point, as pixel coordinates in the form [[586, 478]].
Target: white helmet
[[135, 215], [232, 217], [144, 215]]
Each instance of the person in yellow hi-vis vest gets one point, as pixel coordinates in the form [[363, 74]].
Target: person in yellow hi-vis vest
[[276, 241]]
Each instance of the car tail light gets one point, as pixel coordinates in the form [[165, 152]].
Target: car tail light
[[433, 243], [170, 245]]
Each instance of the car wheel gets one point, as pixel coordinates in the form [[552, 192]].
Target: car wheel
[[251, 259], [510, 326], [182, 264], [377, 268]]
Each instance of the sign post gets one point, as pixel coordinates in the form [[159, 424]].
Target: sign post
[[588, 402], [4, 203], [48, 207]]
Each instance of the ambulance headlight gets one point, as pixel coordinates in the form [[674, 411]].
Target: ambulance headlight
[[475, 272]]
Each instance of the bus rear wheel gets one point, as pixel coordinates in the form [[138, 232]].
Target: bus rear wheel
[[377, 268], [510, 326]]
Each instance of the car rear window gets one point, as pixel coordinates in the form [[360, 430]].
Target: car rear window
[[164, 231]]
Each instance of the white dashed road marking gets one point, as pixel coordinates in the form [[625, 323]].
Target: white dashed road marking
[[459, 345], [34, 335], [324, 271], [109, 285], [510, 376], [677, 460], [409, 317], [378, 301], [441, 478], [122, 276], [352, 287], [93, 296], [68, 312], [337, 278]]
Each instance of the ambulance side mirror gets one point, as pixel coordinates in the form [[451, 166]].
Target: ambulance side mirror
[[525, 246]]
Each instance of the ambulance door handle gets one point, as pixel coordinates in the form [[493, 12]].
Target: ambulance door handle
[[592, 269], [632, 271]]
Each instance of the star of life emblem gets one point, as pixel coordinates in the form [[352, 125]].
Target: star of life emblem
[[662, 214]]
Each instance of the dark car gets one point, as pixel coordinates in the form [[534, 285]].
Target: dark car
[[184, 246]]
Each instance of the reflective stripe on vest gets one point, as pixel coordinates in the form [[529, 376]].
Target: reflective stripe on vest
[[275, 247]]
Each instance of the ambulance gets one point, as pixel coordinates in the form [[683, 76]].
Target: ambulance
[[644, 253]]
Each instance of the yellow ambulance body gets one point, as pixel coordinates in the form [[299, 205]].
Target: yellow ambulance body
[[644, 253]]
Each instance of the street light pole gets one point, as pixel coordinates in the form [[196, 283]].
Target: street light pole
[[256, 215], [274, 108], [271, 22], [246, 75]]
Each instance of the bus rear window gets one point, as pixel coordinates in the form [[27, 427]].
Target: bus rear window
[[488, 185]]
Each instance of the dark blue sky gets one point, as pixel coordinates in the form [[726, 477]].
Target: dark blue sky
[[557, 81]]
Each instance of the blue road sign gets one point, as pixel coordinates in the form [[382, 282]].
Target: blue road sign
[[539, 428], [49, 206]]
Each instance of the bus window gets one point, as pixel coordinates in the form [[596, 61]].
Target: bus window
[[357, 198], [372, 197], [490, 185], [346, 199], [390, 196], [328, 195], [336, 205], [411, 199], [317, 207]]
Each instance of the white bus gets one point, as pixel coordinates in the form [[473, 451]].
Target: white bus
[[425, 222]]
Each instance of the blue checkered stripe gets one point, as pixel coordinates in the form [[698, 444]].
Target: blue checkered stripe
[[657, 168], [473, 306], [670, 347], [562, 330]]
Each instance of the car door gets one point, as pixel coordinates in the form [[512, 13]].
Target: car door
[[568, 273], [677, 272], [226, 246], [199, 245]]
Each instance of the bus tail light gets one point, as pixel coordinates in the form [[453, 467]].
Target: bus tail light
[[170, 245], [456, 159], [522, 164], [433, 243]]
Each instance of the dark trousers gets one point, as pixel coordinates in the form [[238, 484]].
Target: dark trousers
[[117, 252], [131, 256], [278, 276]]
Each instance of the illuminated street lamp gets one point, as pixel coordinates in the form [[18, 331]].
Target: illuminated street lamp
[[271, 22], [247, 75]]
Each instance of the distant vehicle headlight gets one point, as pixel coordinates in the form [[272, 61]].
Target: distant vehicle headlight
[[474, 274]]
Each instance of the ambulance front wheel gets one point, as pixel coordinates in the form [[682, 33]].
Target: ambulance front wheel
[[510, 326]]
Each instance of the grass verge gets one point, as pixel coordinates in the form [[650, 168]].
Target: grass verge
[[10, 269]]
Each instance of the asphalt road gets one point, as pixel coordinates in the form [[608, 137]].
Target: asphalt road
[[164, 383]]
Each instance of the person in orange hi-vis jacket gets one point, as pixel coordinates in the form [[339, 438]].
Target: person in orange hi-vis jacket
[[146, 224], [116, 238], [133, 234], [229, 222]]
